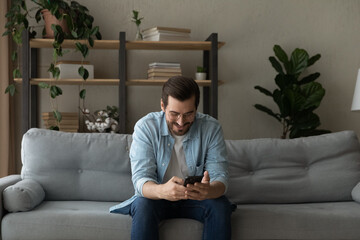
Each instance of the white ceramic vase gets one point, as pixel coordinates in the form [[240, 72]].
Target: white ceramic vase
[[200, 76]]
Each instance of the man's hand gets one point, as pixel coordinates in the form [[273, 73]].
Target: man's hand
[[204, 190], [172, 190]]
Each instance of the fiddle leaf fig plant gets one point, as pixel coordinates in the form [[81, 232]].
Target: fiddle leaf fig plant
[[79, 24], [296, 97]]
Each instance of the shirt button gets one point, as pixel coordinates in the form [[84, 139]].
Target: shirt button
[[163, 164], [80, 171]]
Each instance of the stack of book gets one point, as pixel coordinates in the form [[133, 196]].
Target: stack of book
[[158, 70], [166, 34], [69, 121]]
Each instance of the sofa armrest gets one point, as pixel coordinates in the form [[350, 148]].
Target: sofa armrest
[[4, 183]]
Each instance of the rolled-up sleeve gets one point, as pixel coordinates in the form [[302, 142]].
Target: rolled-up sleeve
[[216, 157], [143, 161]]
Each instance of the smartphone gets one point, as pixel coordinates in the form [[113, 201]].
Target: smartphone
[[192, 180]]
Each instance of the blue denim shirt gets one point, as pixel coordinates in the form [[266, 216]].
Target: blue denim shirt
[[152, 145]]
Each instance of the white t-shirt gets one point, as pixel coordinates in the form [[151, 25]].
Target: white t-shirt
[[177, 165]]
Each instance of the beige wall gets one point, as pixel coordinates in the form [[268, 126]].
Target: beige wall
[[250, 29]]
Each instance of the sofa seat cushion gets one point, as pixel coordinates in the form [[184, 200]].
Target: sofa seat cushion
[[336, 220], [85, 220]]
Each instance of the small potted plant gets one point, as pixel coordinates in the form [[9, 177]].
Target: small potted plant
[[200, 73], [135, 18]]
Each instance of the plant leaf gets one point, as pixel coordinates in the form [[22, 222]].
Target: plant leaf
[[313, 59], [16, 73], [281, 54], [313, 93], [82, 94], [267, 110], [299, 61], [57, 115], [276, 65], [44, 85], [310, 78], [10, 89], [264, 91]]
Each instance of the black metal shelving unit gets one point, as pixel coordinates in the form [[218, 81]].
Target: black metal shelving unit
[[29, 72]]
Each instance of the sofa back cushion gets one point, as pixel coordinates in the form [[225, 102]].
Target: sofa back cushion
[[311, 169], [78, 166]]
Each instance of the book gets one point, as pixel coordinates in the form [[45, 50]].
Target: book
[[163, 74], [164, 70], [158, 78], [164, 65], [171, 29], [166, 33], [160, 37]]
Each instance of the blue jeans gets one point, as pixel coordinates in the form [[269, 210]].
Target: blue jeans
[[215, 214]]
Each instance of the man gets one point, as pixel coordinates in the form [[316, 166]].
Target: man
[[169, 146]]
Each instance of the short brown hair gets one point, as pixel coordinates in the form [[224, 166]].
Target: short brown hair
[[180, 88]]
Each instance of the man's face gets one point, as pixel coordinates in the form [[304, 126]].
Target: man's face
[[179, 115]]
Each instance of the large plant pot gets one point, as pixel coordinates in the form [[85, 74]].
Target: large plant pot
[[51, 19]]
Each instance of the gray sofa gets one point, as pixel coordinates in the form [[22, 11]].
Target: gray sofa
[[284, 189]]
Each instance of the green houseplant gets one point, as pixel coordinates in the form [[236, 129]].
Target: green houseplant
[[200, 73], [135, 18], [296, 96], [79, 25]]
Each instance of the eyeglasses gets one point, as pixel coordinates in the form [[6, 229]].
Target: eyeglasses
[[174, 116]]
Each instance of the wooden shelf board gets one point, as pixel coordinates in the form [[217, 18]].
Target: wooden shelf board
[[131, 82], [131, 45]]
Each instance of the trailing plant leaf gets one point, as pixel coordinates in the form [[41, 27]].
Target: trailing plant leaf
[[83, 72], [55, 91], [16, 73], [10, 89], [14, 56], [57, 115], [55, 128], [82, 94], [44, 85]]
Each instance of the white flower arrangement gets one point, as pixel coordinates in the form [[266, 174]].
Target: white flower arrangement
[[102, 120]]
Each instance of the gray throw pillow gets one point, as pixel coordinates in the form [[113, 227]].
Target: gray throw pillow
[[23, 196], [355, 193]]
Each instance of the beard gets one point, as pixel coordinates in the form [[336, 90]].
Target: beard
[[178, 130]]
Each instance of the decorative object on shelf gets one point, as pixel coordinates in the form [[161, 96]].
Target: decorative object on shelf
[[106, 120], [166, 34], [68, 123], [79, 25], [69, 69], [159, 70], [297, 97], [49, 20], [200, 73], [137, 21]]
